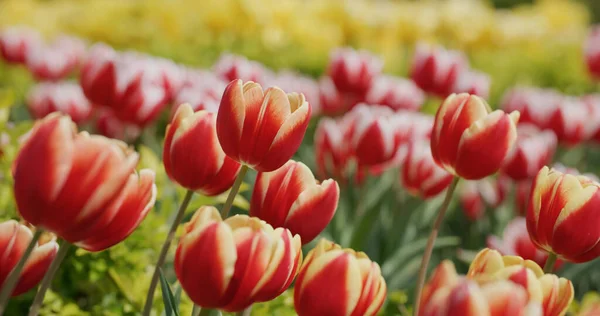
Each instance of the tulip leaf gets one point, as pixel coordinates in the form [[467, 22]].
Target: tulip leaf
[[171, 307]]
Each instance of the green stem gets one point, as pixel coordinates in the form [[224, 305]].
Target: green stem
[[164, 250], [431, 241], [549, 266], [233, 192], [13, 276], [196, 310], [245, 312], [47, 280]]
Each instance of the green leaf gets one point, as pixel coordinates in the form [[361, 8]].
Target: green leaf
[[171, 307]]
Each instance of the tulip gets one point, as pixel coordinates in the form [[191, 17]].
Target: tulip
[[374, 138], [421, 176], [468, 139], [473, 82], [516, 242], [555, 294], [335, 281], [14, 238], [536, 106], [291, 81], [17, 42], [56, 60], [232, 67], [291, 198], [85, 190], [533, 150], [261, 129], [396, 93], [233, 263], [66, 97], [592, 51], [333, 102], [562, 215], [574, 121], [436, 70], [353, 71], [331, 147], [192, 155], [476, 195]]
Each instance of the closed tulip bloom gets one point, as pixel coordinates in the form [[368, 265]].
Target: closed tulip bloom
[[56, 60], [332, 152], [64, 97], [233, 263], [562, 215], [85, 190], [396, 93], [335, 281], [468, 139], [555, 294], [232, 67], [17, 42], [374, 138], [353, 71], [574, 121], [291, 81], [420, 175], [14, 239], [533, 150], [290, 197], [261, 129], [516, 242], [436, 70], [536, 106], [592, 51], [192, 155]]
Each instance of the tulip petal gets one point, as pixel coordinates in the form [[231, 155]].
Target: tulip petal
[[36, 266]]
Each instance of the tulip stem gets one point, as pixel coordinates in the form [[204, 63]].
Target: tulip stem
[[429, 247], [34, 310], [233, 192], [164, 250], [196, 310], [13, 276], [549, 266], [246, 312]]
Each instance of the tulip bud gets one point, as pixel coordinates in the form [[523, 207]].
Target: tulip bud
[[353, 71], [374, 138], [468, 139], [290, 197], [396, 93], [291, 81], [574, 121], [17, 42], [335, 281], [85, 190], [516, 242], [230, 264], [436, 70], [331, 147], [66, 97], [536, 106], [261, 129], [14, 239], [533, 150], [232, 67], [192, 155], [562, 215], [421, 176]]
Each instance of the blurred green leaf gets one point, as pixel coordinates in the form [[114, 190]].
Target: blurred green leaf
[[171, 306]]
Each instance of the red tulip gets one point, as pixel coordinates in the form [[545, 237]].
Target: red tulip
[[516, 242], [230, 264], [574, 121], [335, 281], [562, 215], [192, 155], [537, 106], [56, 60], [396, 93], [592, 51], [291, 81], [109, 125], [374, 138], [353, 71], [468, 139], [533, 150], [291, 198], [14, 239], [17, 42], [473, 82], [332, 147], [436, 70], [421, 176], [231, 67], [66, 97], [85, 190], [476, 195], [261, 129]]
